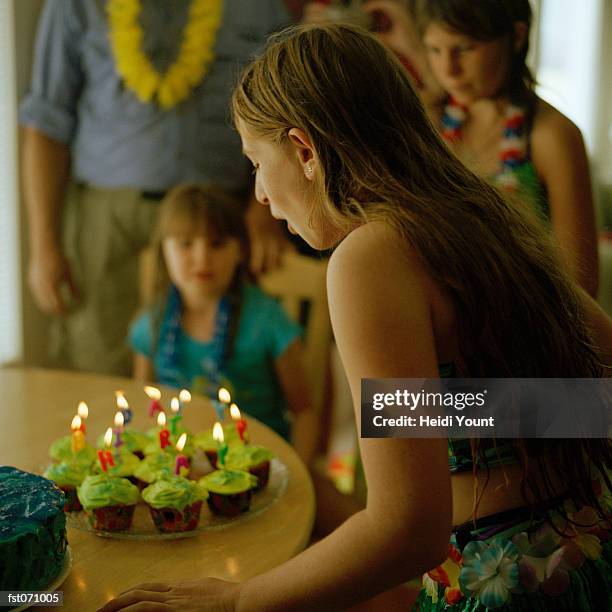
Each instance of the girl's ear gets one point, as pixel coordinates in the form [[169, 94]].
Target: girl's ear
[[304, 151], [521, 31]]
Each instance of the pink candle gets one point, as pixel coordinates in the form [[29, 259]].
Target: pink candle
[[181, 460]]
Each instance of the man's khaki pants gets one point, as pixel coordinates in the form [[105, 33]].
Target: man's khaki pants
[[104, 233]]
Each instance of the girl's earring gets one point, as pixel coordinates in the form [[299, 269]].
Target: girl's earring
[[309, 170]]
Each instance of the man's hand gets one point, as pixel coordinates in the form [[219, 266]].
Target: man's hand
[[267, 239], [48, 272], [206, 594]]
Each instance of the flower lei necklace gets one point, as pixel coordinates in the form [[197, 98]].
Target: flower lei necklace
[[189, 68], [513, 149]]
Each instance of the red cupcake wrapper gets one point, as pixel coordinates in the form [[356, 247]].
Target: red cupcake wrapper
[[229, 505], [171, 520], [111, 518], [262, 472]]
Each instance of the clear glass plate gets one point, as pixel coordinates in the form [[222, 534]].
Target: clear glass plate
[[143, 528]]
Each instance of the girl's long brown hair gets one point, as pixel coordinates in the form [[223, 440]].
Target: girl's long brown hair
[[518, 313]]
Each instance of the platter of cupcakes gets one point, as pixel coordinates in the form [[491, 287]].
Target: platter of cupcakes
[[166, 483]]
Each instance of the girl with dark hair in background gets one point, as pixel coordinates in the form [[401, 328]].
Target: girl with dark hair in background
[[497, 125]]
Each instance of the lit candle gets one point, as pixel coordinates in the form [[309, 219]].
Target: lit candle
[[83, 412], [118, 428], [154, 395], [164, 434], [105, 457], [78, 437], [221, 446], [123, 405], [181, 460], [224, 399], [241, 424], [184, 398], [176, 417]]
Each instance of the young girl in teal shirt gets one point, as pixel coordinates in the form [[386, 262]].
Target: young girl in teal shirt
[[208, 326]]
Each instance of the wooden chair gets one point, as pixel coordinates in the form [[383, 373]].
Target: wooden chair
[[302, 280]]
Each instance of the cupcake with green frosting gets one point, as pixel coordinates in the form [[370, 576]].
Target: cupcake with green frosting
[[204, 441], [252, 459], [175, 503], [229, 491], [133, 441], [68, 475], [125, 465], [155, 467], [61, 450], [108, 501]]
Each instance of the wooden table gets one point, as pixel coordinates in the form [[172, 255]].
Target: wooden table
[[37, 407]]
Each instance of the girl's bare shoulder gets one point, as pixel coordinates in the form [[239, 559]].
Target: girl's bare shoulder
[[552, 128]]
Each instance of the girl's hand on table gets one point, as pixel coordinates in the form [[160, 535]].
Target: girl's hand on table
[[191, 596]]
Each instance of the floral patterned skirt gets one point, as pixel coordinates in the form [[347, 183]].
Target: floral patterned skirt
[[562, 564]]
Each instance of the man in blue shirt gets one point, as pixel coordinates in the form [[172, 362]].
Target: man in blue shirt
[[98, 157]]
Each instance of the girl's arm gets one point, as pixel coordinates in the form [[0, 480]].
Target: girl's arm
[[382, 324], [143, 370], [561, 161], [292, 377]]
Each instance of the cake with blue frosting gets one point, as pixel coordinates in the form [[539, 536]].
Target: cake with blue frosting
[[32, 531]]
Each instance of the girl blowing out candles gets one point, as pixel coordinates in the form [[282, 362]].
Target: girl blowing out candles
[[343, 151]]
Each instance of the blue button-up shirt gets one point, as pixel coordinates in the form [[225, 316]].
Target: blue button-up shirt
[[78, 98]]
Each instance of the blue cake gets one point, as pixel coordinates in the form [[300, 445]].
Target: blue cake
[[32, 531]]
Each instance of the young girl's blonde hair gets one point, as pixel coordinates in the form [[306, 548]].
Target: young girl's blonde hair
[[379, 157]]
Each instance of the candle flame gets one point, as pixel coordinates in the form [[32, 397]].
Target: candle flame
[[119, 392], [224, 395], [119, 420], [76, 423], [161, 419], [108, 436], [235, 412], [180, 445], [153, 392], [83, 410], [122, 403], [174, 404], [218, 432], [185, 396]]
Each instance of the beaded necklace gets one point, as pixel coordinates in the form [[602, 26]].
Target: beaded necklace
[[168, 362], [513, 147]]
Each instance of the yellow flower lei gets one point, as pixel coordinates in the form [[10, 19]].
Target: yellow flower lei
[[189, 68]]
